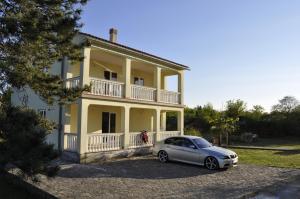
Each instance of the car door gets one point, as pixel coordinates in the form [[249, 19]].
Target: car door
[[188, 151], [171, 148]]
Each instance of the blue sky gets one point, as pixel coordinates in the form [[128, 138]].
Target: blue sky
[[236, 49]]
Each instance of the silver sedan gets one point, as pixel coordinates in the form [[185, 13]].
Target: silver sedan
[[194, 150]]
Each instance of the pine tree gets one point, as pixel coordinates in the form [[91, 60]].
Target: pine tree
[[34, 34]]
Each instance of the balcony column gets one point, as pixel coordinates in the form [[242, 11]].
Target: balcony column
[[125, 118], [82, 119], [85, 67], [163, 121], [180, 121], [157, 124], [181, 86], [157, 82], [127, 77]]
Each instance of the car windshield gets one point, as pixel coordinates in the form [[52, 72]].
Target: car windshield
[[202, 143]]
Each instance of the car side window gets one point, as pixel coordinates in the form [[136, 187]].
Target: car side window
[[169, 141], [187, 143]]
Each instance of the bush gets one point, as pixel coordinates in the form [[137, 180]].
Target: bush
[[193, 132]]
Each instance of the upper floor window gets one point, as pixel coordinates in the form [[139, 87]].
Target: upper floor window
[[139, 81], [42, 112], [110, 76]]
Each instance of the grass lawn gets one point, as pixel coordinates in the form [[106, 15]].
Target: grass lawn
[[285, 142], [9, 191], [287, 159]]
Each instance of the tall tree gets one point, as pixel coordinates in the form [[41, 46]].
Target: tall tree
[[286, 104], [34, 34]]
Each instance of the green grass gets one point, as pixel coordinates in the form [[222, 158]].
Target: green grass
[[285, 142], [286, 159], [9, 191]]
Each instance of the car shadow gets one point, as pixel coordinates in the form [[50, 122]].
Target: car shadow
[[140, 168]]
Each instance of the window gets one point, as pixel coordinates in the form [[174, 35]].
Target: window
[[139, 81], [169, 141], [42, 112], [110, 76], [108, 122], [202, 143]]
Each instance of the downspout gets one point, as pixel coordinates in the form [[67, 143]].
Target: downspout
[[60, 128]]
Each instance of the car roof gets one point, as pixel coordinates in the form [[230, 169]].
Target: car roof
[[185, 136]]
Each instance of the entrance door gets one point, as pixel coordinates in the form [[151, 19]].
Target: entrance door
[[108, 122]]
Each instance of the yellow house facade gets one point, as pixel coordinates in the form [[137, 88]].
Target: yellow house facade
[[128, 95]]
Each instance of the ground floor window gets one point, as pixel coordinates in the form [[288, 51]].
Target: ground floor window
[[108, 122]]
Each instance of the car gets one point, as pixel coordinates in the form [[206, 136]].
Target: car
[[194, 150]]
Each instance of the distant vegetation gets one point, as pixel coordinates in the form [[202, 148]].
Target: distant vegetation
[[236, 119]]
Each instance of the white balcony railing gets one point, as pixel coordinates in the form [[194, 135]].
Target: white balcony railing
[[143, 93], [72, 82], [169, 97], [105, 142], [165, 134], [70, 142], [107, 87], [135, 140]]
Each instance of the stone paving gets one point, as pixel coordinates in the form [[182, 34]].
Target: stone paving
[[146, 177]]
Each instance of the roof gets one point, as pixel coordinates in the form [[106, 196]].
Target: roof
[[135, 50]]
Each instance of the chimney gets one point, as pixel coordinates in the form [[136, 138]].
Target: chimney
[[113, 35]]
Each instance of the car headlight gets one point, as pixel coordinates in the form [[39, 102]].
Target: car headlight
[[224, 157]]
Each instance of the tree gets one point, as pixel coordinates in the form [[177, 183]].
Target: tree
[[286, 104], [235, 108], [34, 34]]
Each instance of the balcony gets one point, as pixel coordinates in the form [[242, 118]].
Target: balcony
[[116, 89]]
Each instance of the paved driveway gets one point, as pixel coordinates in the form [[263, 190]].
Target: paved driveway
[[145, 177]]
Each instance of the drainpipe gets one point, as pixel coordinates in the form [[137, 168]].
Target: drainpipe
[[60, 148]]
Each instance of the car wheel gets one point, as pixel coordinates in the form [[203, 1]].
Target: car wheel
[[211, 163], [163, 156]]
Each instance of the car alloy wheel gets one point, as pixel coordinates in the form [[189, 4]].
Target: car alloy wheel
[[211, 163], [163, 156]]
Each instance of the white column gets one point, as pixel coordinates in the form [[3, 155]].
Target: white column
[[82, 126], [85, 67], [180, 121], [181, 86], [127, 77], [163, 120], [157, 124], [125, 118], [157, 82]]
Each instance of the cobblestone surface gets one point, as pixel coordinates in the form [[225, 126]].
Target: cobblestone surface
[[145, 177]]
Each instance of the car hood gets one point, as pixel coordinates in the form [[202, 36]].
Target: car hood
[[219, 150]]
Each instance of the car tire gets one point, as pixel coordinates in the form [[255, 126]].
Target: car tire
[[211, 163], [163, 156]]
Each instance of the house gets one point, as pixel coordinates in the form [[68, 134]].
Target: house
[[128, 94]]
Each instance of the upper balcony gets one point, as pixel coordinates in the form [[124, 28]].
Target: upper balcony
[[118, 76]]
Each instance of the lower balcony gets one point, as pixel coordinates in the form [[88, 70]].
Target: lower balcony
[[114, 141]]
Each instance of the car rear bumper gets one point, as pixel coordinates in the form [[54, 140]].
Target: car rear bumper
[[226, 163]]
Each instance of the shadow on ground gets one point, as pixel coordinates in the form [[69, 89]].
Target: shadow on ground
[[139, 168]]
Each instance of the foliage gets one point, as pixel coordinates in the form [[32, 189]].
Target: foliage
[[23, 133], [193, 132], [34, 35], [284, 121]]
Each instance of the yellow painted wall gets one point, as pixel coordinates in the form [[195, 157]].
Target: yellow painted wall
[[95, 118], [148, 77], [73, 69], [97, 71], [141, 119]]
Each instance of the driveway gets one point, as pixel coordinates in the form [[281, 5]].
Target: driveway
[[145, 177]]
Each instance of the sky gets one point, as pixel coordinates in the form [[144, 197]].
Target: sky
[[236, 49]]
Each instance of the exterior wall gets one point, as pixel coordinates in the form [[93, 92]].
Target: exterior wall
[[95, 118], [71, 117], [141, 119], [73, 69], [148, 77], [97, 71], [36, 103]]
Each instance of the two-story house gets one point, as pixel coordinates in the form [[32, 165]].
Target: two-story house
[[128, 94]]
